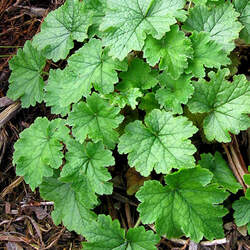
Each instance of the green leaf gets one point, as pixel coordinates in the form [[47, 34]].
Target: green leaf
[[174, 93], [63, 88], [172, 51], [187, 205], [206, 53], [123, 98], [222, 173], [139, 75], [203, 2], [61, 27], [96, 119], [225, 103], [107, 234], [242, 212], [93, 66], [86, 163], [25, 80], [96, 8], [243, 7], [148, 102], [39, 150], [126, 23], [161, 144], [69, 206], [220, 22], [246, 178]]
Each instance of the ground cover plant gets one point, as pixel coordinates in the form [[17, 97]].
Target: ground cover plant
[[140, 80]]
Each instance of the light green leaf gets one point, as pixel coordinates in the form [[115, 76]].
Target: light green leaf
[[69, 206], [222, 173], [86, 164], [172, 51], [126, 23], [107, 234], [25, 80], [203, 2], [246, 178], [242, 212], [61, 27], [220, 22], [243, 7], [225, 103], [174, 93], [161, 144], [187, 205], [39, 150], [206, 53], [139, 75], [64, 87], [96, 119], [93, 66], [123, 98]]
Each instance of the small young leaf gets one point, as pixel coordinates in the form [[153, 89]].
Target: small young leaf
[[242, 212], [220, 22], [126, 23], [93, 66], [243, 7], [139, 75], [174, 93], [161, 144], [148, 102], [206, 53], [25, 80], [61, 27], [123, 98], [38, 151], [222, 173], [96, 119], [107, 234], [187, 205], [226, 105], [86, 163], [172, 50], [69, 206]]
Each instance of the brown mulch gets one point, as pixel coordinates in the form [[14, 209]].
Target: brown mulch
[[25, 219]]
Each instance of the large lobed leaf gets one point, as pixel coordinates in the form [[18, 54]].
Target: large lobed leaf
[[25, 80], [161, 144], [39, 150], [186, 206], [107, 234], [127, 22], [96, 119], [225, 104], [61, 27]]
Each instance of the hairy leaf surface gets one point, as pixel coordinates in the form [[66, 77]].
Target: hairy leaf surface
[[25, 80], [69, 206], [221, 171], [96, 119], [225, 103], [206, 53], [174, 93], [172, 51], [61, 27], [161, 144], [107, 234], [126, 23], [242, 212], [85, 164], [220, 22], [39, 150], [187, 205]]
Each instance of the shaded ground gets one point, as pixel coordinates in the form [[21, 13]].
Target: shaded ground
[[25, 220]]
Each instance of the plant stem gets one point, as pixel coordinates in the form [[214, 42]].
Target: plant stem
[[138, 222]]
